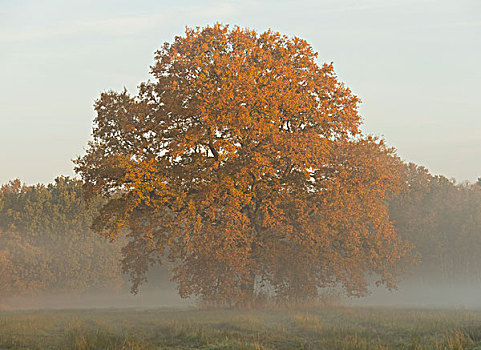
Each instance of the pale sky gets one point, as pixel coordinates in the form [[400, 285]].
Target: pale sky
[[416, 65]]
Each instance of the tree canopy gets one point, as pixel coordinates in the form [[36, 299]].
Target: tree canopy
[[242, 161]]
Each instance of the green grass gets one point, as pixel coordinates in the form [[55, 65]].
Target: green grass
[[315, 328]]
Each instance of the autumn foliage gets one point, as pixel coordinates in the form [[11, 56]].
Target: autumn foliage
[[242, 161]]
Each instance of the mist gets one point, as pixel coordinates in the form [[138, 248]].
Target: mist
[[148, 298], [408, 294], [412, 294]]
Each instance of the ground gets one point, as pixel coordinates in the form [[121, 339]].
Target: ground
[[309, 328]]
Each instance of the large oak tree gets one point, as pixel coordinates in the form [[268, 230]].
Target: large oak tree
[[242, 161]]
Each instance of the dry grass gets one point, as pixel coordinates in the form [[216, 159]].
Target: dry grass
[[313, 328]]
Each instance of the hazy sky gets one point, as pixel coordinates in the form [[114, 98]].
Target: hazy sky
[[415, 64]]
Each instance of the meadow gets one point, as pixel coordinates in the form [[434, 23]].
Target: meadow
[[307, 328]]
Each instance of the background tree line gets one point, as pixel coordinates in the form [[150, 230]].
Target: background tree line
[[442, 219], [46, 244]]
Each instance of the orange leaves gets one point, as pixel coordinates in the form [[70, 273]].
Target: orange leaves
[[244, 157]]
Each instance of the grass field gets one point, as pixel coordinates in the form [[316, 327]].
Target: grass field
[[315, 328]]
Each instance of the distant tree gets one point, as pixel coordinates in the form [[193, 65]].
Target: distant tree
[[45, 239], [243, 162], [443, 221], [4, 276], [4, 266]]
